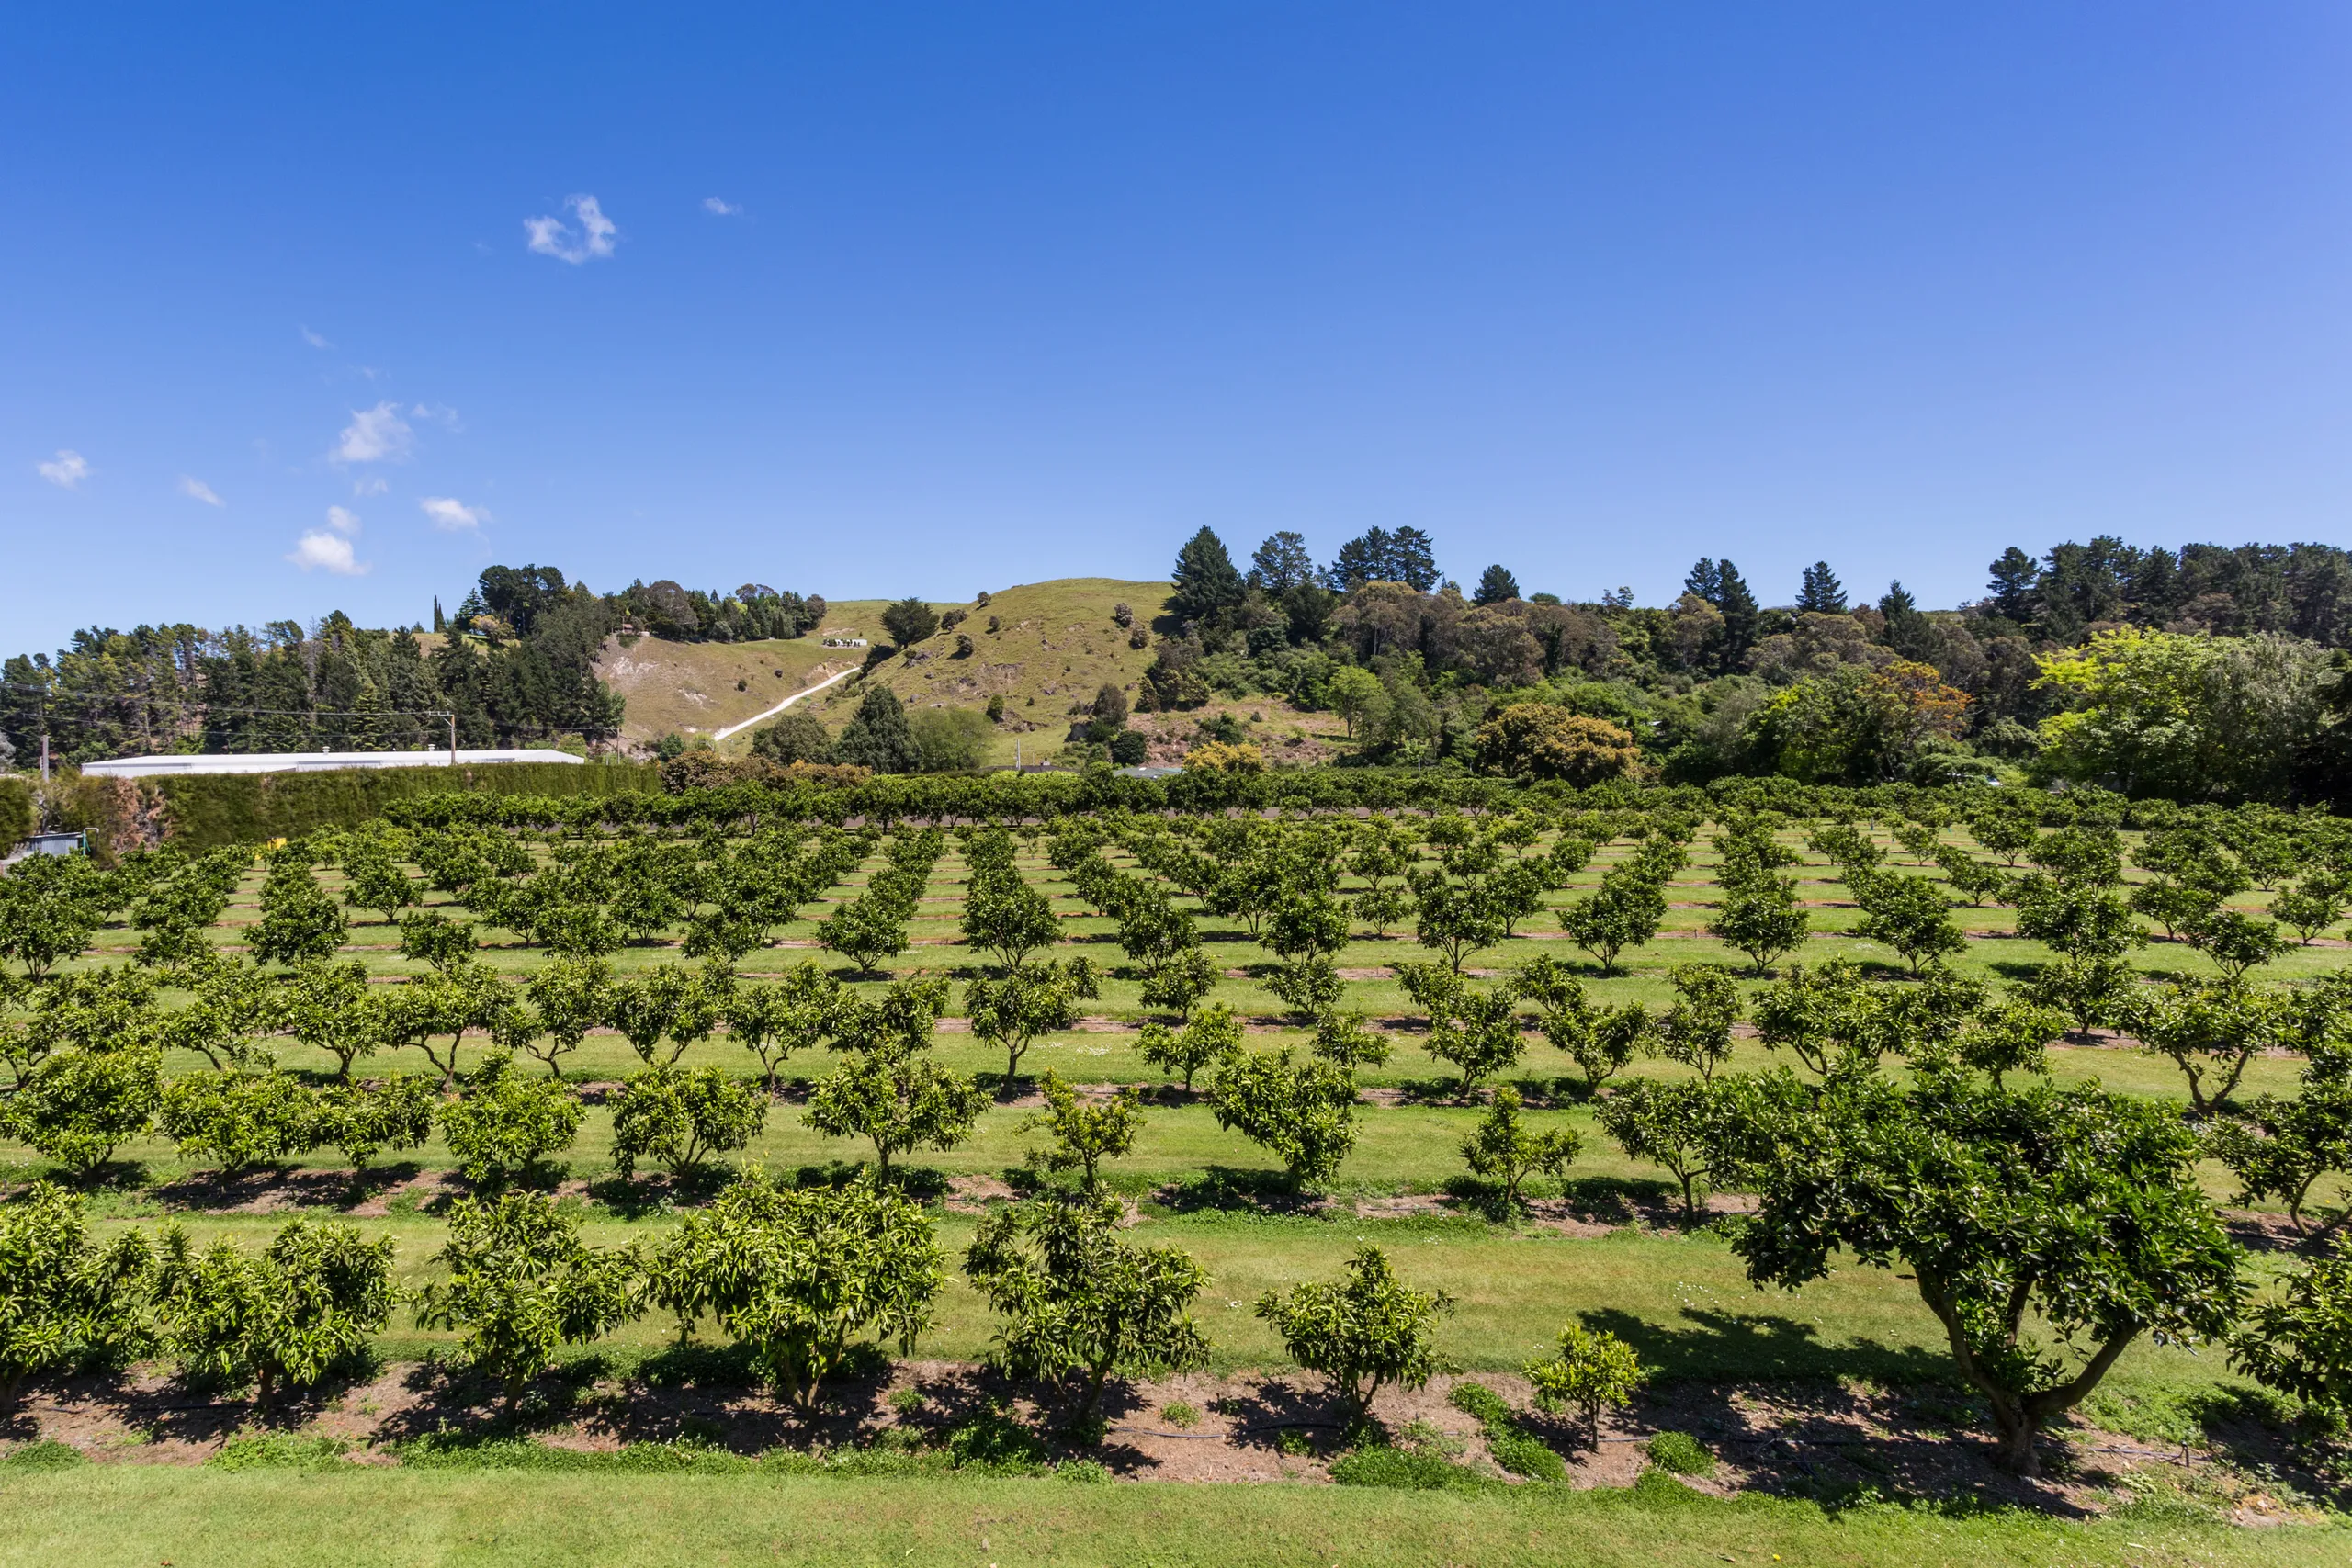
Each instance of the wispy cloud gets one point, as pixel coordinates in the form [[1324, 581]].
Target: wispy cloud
[[67, 470], [451, 515], [197, 490], [328, 553], [554, 237], [441, 414], [314, 339], [720, 206], [343, 522], [373, 484], [374, 435]]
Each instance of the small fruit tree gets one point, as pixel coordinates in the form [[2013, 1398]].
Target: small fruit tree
[[284, 1317], [521, 1284], [1078, 1298], [1594, 1371], [796, 1273], [1363, 1331], [64, 1298], [2070, 1213]]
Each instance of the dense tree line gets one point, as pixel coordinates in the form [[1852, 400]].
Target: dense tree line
[[2201, 673], [514, 664], [2206, 673]]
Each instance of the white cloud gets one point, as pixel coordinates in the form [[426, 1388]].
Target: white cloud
[[373, 484], [441, 414], [722, 209], [374, 435], [314, 339], [328, 552], [68, 471], [197, 490], [451, 515], [343, 522], [554, 237]]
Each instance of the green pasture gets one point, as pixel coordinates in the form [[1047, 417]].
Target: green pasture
[[136, 1516]]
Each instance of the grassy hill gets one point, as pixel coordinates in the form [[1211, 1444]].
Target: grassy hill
[[694, 688], [1055, 644]]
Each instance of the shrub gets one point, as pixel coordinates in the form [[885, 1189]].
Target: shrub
[[503, 1123], [521, 1283], [63, 1300], [1505, 1147], [240, 1119], [359, 1118], [1080, 1300], [1363, 1331], [681, 1116], [1302, 1113], [1595, 1370], [794, 1274], [1680, 1454], [78, 1107], [1212, 1039], [285, 1318], [1411, 1470], [1085, 1134]]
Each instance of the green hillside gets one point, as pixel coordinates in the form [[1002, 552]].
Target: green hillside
[[1055, 645]]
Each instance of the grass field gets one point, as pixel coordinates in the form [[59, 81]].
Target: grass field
[[126, 1517]]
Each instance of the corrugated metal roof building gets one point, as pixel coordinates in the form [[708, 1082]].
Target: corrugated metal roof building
[[310, 761]]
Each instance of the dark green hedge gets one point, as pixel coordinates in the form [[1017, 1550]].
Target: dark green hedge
[[230, 808], [933, 797], [15, 812]]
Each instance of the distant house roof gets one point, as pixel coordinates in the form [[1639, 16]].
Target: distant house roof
[[309, 761]]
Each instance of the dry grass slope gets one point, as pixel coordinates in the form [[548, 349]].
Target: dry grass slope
[[692, 688], [1055, 643]]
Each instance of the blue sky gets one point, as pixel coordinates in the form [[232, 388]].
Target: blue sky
[[888, 298]]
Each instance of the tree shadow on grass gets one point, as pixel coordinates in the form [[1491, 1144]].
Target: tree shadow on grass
[[1929, 1447], [636, 1196], [1270, 1409], [1227, 1189]]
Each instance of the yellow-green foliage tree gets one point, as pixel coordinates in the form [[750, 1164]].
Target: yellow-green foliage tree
[[1537, 739]]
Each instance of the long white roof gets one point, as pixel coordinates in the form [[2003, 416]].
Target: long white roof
[[310, 761]]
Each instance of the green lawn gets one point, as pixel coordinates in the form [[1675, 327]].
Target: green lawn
[[136, 1517]]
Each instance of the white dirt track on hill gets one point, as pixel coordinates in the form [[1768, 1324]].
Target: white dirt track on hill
[[804, 692]]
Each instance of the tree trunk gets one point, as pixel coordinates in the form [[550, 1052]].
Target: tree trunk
[[2019, 1455]]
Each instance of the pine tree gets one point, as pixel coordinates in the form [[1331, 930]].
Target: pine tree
[[1206, 579], [1907, 630], [1364, 558], [440, 622], [1496, 586], [1737, 603], [1413, 558], [1822, 593], [1705, 580], [879, 737], [1281, 564], [2015, 576]]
